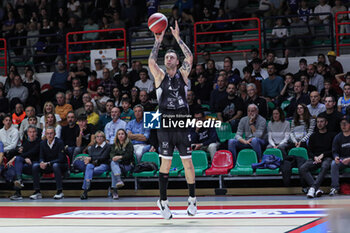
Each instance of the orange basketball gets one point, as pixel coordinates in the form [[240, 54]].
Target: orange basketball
[[157, 23]]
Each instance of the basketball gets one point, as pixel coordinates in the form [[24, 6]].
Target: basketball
[[157, 23]]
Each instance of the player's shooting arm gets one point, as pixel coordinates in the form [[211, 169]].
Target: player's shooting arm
[[157, 72]]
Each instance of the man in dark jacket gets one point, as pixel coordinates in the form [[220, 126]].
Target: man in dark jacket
[[52, 159], [204, 138], [320, 156], [28, 154], [96, 163]]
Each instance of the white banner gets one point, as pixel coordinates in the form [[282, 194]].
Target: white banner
[[106, 55]]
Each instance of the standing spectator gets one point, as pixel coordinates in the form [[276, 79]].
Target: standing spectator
[[333, 63], [254, 127], [278, 129], [27, 156], [144, 84], [138, 134], [257, 100], [62, 108], [315, 107], [332, 115], [122, 159], [217, 95], [52, 159], [320, 156], [231, 108], [69, 134], [341, 152], [344, 101], [108, 83], [94, 164], [204, 138], [18, 93], [299, 98], [114, 125]]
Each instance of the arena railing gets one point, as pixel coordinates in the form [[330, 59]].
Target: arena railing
[[311, 41], [23, 55], [226, 34], [338, 34], [96, 44], [3, 56]]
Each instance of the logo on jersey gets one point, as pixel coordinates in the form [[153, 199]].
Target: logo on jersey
[[151, 120]]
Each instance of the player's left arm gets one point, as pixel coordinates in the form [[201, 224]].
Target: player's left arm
[[187, 63]]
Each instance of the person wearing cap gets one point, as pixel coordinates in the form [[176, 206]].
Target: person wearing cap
[[258, 73], [333, 63], [341, 154]]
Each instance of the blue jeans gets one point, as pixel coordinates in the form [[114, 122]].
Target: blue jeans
[[56, 168], [22, 167], [256, 144], [90, 170], [335, 168], [117, 170]]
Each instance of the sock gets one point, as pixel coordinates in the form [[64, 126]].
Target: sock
[[191, 189], [163, 185]]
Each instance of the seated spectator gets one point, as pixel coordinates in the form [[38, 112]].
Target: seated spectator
[[73, 7], [69, 134], [315, 107], [254, 53], [273, 85], [30, 112], [17, 93], [52, 159], [127, 113], [302, 68], [344, 102], [18, 116], [323, 7], [233, 76], [93, 84], [9, 136], [94, 164], [59, 78], [81, 72], [133, 75], [255, 99], [106, 117], [125, 85], [62, 108], [115, 70], [48, 108], [117, 98], [98, 68], [323, 70], [254, 127], [33, 87], [32, 120], [135, 96], [328, 90], [299, 98], [217, 95], [76, 83], [114, 125], [258, 73], [90, 26], [298, 34], [210, 72], [144, 101], [231, 108], [192, 105], [315, 79], [279, 34], [28, 155], [287, 92], [4, 103], [333, 63], [122, 159], [138, 134], [108, 83], [86, 98], [86, 136], [340, 81], [270, 58], [101, 99], [50, 120], [92, 116], [332, 115], [320, 156], [204, 138], [76, 101], [308, 88], [278, 129], [202, 89], [144, 84], [248, 78], [303, 126], [341, 152]]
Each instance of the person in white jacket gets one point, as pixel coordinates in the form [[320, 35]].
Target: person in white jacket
[[9, 136]]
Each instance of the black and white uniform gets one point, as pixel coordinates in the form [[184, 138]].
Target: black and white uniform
[[171, 95]]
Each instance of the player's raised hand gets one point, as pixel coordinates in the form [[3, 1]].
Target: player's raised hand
[[159, 36], [176, 31]]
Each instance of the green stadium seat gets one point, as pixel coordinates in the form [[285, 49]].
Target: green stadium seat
[[346, 170], [270, 151], [298, 151], [148, 157], [26, 177], [244, 162], [176, 165], [80, 175], [200, 162], [285, 104], [224, 132], [206, 106], [129, 173]]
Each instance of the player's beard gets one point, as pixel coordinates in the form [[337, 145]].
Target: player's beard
[[170, 67]]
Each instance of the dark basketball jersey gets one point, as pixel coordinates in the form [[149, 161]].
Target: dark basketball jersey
[[171, 95]]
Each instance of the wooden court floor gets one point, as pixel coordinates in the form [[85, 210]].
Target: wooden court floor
[[280, 213]]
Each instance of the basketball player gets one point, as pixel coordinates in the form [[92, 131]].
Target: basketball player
[[172, 88]]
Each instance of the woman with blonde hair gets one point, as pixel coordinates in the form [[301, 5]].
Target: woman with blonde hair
[[122, 156], [48, 108], [50, 120]]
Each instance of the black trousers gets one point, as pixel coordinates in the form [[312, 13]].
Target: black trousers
[[288, 163]]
